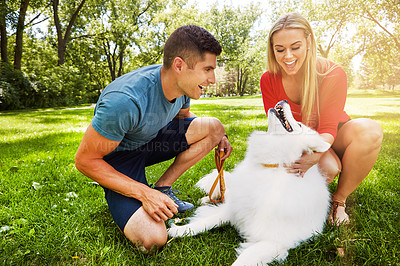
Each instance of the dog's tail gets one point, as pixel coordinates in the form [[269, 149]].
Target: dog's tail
[[205, 218]]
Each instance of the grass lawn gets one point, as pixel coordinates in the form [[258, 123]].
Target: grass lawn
[[51, 214]]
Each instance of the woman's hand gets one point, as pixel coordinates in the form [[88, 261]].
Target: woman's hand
[[306, 161]]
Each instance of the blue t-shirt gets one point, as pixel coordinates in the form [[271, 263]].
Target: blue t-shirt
[[133, 108]]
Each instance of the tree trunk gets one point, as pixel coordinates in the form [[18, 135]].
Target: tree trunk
[[111, 63], [62, 41], [3, 31], [20, 34], [391, 35], [121, 61], [238, 80], [243, 77], [324, 53], [246, 77]]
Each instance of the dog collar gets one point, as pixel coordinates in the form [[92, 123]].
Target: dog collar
[[270, 165]]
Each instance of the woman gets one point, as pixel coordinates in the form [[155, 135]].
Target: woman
[[316, 90]]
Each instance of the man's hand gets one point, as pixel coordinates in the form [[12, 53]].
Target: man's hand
[[158, 205], [225, 146]]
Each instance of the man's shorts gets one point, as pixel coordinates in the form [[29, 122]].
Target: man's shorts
[[169, 142]]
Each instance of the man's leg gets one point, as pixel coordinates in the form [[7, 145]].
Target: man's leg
[[143, 231], [128, 213], [202, 135], [136, 223]]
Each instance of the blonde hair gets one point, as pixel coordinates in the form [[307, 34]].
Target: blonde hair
[[309, 84]]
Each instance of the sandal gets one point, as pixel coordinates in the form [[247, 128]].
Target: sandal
[[333, 217]]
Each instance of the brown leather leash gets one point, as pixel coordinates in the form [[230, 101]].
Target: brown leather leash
[[220, 168]]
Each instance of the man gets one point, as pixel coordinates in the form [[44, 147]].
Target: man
[[132, 129]]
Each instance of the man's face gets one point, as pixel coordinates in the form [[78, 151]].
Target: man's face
[[193, 80]]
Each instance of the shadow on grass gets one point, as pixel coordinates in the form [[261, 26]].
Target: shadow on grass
[[12, 131], [48, 117], [376, 202], [373, 94], [35, 145], [380, 116]]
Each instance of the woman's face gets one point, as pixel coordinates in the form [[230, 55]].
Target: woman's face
[[290, 49]]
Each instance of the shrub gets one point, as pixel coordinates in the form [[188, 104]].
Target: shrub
[[16, 90], [63, 85]]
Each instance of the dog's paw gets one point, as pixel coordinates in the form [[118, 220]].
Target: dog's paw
[[179, 231]]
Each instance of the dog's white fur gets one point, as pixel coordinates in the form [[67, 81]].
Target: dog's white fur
[[272, 210]]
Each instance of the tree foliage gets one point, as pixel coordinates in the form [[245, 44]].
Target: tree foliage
[[349, 30], [233, 27], [124, 24], [83, 45], [63, 36]]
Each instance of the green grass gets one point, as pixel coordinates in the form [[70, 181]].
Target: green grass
[[51, 214]]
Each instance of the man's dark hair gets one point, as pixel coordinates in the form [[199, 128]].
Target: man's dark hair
[[190, 43]]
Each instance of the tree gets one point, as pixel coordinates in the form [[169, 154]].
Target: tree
[[20, 32], [381, 25], [386, 16], [3, 31], [133, 33], [233, 28], [151, 40], [346, 29], [64, 37], [12, 16]]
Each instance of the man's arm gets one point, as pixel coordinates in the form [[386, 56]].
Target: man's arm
[[89, 161], [184, 113]]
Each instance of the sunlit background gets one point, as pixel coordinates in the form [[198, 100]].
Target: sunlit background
[[65, 52]]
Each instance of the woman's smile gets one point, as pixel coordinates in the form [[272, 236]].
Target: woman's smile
[[290, 48]]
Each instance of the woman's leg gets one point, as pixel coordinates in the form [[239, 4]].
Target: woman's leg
[[357, 144]]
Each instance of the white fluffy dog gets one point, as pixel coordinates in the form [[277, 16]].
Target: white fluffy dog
[[272, 209]]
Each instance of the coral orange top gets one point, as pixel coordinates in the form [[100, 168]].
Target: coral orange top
[[332, 98]]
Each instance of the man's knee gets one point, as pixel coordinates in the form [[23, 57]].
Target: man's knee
[[206, 127], [215, 128], [151, 242], [154, 241], [144, 232]]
